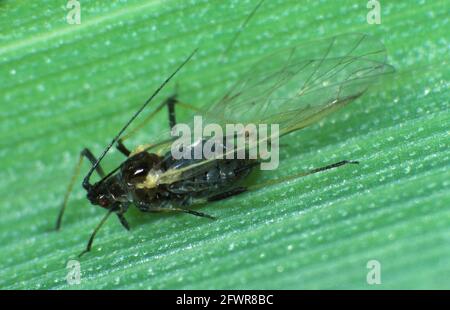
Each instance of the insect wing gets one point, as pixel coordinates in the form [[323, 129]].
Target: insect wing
[[296, 87]]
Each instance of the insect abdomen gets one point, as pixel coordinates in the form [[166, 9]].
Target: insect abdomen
[[217, 178]]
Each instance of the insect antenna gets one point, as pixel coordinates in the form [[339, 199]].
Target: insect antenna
[[241, 28], [86, 183]]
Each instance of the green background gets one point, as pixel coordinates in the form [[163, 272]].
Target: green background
[[64, 87]]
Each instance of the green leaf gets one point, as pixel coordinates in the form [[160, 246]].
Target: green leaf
[[64, 87]]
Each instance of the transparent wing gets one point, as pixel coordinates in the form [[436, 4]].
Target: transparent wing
[[294, 88], [297, 86]]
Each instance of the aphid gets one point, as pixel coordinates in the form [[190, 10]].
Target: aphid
[[294, 88]]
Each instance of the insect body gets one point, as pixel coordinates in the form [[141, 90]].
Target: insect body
[[294, 88], [138, 182]]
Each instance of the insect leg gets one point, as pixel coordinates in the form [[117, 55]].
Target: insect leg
[[178, 210], [171, 101], [91, 239], [122, 148], [88, 154], [123, 221], [233, 192], [303, 174], [241, 189], [335, 165], [84, 153]]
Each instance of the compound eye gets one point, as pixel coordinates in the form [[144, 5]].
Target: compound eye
[[103, 201]]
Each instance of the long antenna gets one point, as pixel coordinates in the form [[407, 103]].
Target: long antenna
[[241, 28], [86, 183]]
